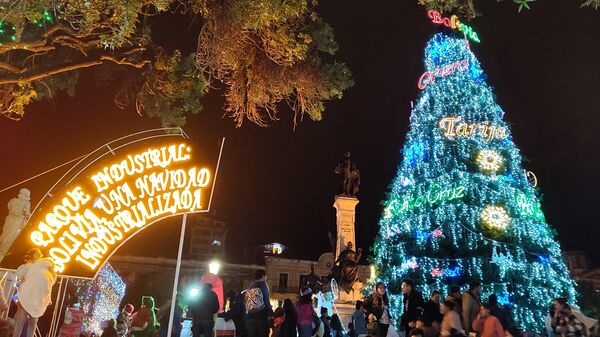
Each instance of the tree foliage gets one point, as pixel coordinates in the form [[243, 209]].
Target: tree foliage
[[263, 52], [466, 9]]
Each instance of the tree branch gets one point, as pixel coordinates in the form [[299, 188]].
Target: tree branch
[[11, 68]]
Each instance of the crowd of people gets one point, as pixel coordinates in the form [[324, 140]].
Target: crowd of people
[[250, 311]]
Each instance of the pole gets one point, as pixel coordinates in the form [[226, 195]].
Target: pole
[[176, 281]]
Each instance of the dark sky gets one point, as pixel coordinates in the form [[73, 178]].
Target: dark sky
[[278, 185]]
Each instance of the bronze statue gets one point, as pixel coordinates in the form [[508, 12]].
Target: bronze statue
[[350, 175], [345, 270]]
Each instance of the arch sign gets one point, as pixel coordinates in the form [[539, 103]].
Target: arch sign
[[110, 201]]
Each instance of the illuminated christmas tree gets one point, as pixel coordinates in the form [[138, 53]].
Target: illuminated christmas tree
[[462, 207]]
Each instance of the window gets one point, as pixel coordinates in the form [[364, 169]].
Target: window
[[283, 282]]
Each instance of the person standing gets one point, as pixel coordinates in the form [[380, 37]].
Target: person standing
[[413, 305], [305, 313], [37, 276], [456, 296], [236, 311], [163, 316], [359, 320], [431, 308], [258, 306], [377, 304], [110, 330], [451, 324], [144, 320], [499, 312], [203, 311], [564, 323], [337, 329], [487, 325], [280, 324], [291, 317], [326, 320], [124, 320], [470, 304]]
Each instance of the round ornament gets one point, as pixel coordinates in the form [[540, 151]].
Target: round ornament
[[495, 217], [489, 160]]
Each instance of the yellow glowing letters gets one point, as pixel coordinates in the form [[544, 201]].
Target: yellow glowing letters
[[121, 199], [453, 127]]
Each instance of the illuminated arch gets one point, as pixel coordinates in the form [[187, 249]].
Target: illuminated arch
[[113, 193]]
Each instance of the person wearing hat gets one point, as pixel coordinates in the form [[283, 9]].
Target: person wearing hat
[[305, 313], [124, 320]]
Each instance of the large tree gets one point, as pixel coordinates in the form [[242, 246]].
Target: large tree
[[263, 51]]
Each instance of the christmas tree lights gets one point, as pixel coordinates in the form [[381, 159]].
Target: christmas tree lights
[[461, 176], [100, 299]]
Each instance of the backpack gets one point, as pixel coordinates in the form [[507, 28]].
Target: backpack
[[254, 300]]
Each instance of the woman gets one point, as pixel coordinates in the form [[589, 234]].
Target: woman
[[431, 308], [486, 324], [291, 317], [377, 305], [236, 311], [144, 320], [451, 323], [305, 313], [280, 324], [337, 330], [37, 276], [564, 323]]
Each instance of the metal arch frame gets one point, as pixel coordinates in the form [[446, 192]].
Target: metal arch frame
[[110, 150], [180, 133]]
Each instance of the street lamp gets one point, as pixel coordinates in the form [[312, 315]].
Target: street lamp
[[194, 292], [213, 267]]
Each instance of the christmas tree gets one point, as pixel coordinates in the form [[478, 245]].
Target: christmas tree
[[461, 207]]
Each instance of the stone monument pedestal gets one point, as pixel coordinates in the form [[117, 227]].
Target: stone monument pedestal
[[345, 207]]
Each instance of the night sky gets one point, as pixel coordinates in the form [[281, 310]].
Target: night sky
[[277, 184]]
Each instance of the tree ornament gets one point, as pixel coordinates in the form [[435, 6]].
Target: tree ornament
[[489, 161], [495, 217]]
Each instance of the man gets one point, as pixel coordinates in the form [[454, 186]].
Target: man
[[359, 320], [257, 318], [326, 322], [470, 304], [431, 308], [455, 296], [413, 305], [203, 310], [37, 276]]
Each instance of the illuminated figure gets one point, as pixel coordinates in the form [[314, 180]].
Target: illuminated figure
[[18, 214]]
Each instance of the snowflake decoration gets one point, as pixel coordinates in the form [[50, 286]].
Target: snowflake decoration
[[495, 217], [489, 160]]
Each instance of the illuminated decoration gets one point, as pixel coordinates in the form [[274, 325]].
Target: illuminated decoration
[[373, 272], [414, 154], [435, 194], [531, 177], [274, 248], [429, 77], [409, 264], [453, 127], [452, 120], [495, 217], [452, 272], [100, 299], [194, 292], [110, 200], [501, 259], [214, 267], [489, 160], [454, 23], [504, 299], [436, 272], [530, 207]]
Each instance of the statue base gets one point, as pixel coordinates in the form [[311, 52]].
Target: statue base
[[345, 207]]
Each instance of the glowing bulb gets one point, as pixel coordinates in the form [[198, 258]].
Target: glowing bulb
[[489, 160]]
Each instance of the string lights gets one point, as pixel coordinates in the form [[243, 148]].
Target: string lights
[[458, 139]]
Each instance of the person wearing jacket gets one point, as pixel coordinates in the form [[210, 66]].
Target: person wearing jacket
[[291, 317], [37, 277], [486, 324], [431, 308], [280, 324], [305, 313], [413, 305], [203, 310], [236, 311], [470, 304], [564, 323], [451, 324], [377, 304], [257, 323], [144, 322]]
